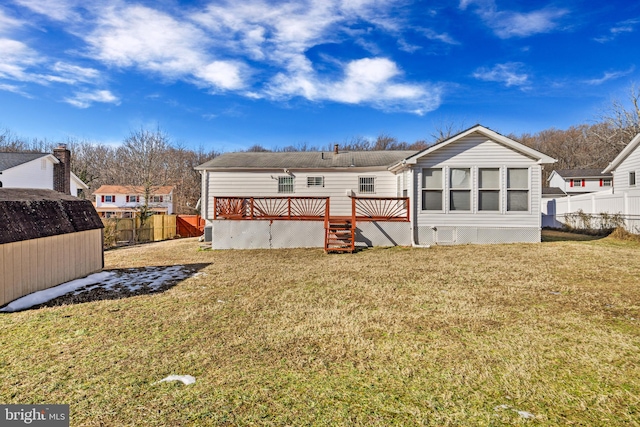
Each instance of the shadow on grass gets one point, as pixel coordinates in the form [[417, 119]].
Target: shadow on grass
[[128, 282], [551, 235]]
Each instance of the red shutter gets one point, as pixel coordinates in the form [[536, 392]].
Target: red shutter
[[571, 183], [600, 182], [102, 198], [583, 182], [127, 199], [113, 198], [161, 198]]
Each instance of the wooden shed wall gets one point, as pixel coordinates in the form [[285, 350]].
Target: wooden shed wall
[[32, 265]]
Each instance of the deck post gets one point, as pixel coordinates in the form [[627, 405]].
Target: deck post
[[251, 208], [215, 208]]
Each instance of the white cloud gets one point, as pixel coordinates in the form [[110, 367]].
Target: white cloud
[[507, 24], [371, 81], [15, 59], [609, 76], [58, 10], [75, 73], [85, 99], [14, 89], [7, 22], [508, 73], [628, 26], [150, 40]]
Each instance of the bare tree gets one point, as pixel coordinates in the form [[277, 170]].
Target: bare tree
[[620, 122]]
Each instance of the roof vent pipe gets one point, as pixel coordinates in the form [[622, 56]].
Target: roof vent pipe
[[335, 149]]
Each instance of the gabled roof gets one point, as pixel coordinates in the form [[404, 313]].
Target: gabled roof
[[514, 145], [132, 189], [553, 191], [11, 160], [28, 213], [306, 160], [623, 154], [581, 173]]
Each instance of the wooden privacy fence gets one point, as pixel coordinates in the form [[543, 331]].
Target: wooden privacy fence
[[190, 225], [118, 231]]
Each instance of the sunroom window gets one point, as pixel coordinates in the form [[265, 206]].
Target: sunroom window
[[489, 189], [432, 189], [517, 189], [460, 193]]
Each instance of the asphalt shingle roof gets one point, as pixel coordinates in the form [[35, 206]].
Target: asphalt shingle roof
[[582, 173], [11, 160], [306, 160]]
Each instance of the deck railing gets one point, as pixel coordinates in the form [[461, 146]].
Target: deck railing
[[279, 208], [380, 209], [309, 208]]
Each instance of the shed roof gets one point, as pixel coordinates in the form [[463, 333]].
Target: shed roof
[[306, 160], [582, 173], [27, 214], [11, 160], [132, 189], [553, 191]]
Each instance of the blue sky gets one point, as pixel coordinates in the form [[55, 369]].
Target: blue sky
[[226, 75]]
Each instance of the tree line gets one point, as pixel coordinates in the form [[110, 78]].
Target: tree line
[[150, 158]]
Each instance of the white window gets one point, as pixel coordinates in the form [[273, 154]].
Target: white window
[[606, 182], [285, 184], [133, 199], [315, 181], [109, 199], [432, 189], [518, 189], [632, 178], [367, 184], [489, 189], [460, 193], [157, 199]]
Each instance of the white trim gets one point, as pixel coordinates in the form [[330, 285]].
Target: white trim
[[623, 154]]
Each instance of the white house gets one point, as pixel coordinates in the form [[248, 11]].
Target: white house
[[40, 170], [123, 201], [476, 187], [580, 181], [622, 199]]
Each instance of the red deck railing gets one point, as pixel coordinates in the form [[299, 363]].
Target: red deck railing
[[281, 208], [309, 208]]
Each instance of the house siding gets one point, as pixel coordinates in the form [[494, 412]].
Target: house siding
[[37, 173], [621, 174], [473, 226], [337, 184]]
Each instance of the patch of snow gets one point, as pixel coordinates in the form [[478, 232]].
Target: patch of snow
[[185, 379], [45, 295]]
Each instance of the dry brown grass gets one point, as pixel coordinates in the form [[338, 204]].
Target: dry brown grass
[[399, 336]]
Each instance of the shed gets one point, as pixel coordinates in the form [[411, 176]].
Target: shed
[[46, 238]]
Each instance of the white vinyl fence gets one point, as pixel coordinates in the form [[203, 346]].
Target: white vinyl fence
[[594, 210]]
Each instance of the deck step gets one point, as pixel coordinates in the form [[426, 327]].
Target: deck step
[[339, 236]]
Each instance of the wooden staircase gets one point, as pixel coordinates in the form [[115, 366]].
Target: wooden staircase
[[339, 236]]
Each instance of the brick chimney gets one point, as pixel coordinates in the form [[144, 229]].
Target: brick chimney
[[335, 148], [62, 171]]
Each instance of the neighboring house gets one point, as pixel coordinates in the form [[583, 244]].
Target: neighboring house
[[475, 187], [622, 198], [124, 201], [41, 170], [47, 238], [579, 181]]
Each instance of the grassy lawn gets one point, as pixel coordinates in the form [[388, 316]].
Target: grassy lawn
[[461, 335]]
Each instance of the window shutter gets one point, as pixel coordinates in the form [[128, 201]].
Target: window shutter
[[583, 182], [127, 199], [113, 198], [102, 198], [571, 183], [600, 182], [161, 198]]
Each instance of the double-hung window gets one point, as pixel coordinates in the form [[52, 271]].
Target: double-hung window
[[367, 184], [517, 189], [315, 181], [488, 189], [460, 192], [285, 184], [432, 189], [109, 199]]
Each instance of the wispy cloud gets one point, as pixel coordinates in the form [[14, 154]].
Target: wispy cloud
[[509, 74], [628, 26], [57, 10], [85, 99], [508, 24], [609, 75]]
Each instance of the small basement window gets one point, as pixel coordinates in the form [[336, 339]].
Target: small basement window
[[367, 184], [315, 181], [285, 184]]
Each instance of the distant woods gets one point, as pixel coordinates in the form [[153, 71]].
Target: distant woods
[[151, 157]]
